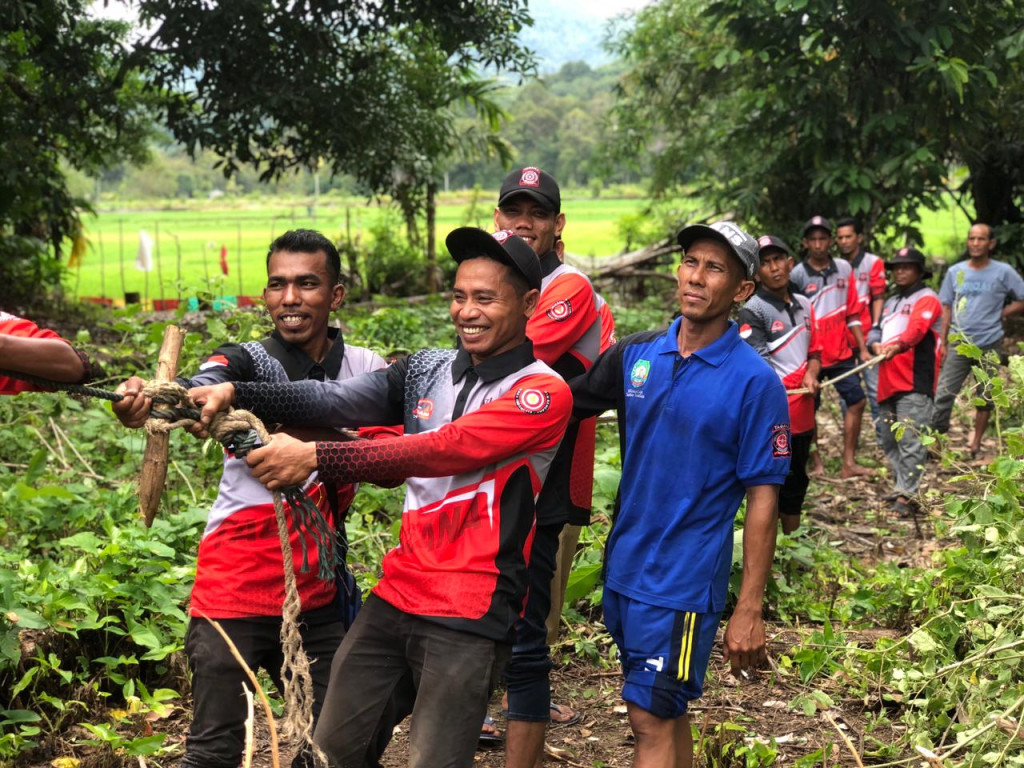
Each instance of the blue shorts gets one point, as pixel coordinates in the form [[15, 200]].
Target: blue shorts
[[664, 652], [849, 389]]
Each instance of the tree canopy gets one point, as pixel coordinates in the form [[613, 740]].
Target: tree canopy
[[780, 109], [63, 98]]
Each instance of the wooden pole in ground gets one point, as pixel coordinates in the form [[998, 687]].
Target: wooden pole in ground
[[154, 462]]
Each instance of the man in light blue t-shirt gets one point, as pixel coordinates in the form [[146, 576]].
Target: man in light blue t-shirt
[[974, 298]]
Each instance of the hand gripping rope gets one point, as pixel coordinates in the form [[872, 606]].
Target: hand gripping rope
[[238, 431]]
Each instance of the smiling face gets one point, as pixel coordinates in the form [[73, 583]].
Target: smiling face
[[775, 267], [300, 297], [489, 314], [533, 222], [711, 280]]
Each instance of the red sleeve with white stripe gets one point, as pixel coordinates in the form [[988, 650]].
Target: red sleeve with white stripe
[[565, 312], [529, 418], [876, 280], [922, 318], [814, 350], [853, 303]]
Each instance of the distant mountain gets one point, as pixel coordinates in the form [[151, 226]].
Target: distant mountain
[[570, 30]]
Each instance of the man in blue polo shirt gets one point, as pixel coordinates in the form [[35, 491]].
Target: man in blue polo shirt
[[703, 421]]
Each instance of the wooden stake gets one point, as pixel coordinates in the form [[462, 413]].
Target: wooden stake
[[154, 462]]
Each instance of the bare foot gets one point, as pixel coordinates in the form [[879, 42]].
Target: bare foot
[[855, 470], [817, 469]]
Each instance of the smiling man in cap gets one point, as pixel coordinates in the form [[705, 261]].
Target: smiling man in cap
[[703, 422], [566, 334], [909, 335], [482, 423]]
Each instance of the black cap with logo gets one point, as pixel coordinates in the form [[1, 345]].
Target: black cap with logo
[[536, 184], [504, 246]]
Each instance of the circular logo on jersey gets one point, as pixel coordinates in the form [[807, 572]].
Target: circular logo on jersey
[[530, 177], [560, 310], [780, 441], [777, 326], [532, 400], [841, 283], [502, 235], [745, 331], [811, 288]]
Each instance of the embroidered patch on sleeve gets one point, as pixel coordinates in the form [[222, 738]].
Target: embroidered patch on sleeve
[[532, 401], [780, 441], [560, 310]]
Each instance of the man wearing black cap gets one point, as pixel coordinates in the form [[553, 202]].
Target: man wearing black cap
[[566, 334], [832, 289], [703, 422], [482, 423], [909, 337], [780, 325]]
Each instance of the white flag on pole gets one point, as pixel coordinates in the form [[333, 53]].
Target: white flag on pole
[[144, 258]]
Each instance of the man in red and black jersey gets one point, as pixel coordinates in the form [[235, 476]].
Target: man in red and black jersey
[[780, 324], [909, 336], [830, 285], [869, 274], [482, 424], [38, 352], [240, 570], [566, 333]]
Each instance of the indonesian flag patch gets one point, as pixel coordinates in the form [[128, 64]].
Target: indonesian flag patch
[[532, 400], [745, 331], [213, 362]]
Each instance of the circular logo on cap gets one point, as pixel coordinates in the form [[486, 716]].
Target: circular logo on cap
[[903, 251], [502, 235], [530, 177], [764, 241], [560, 310], [532, 400]]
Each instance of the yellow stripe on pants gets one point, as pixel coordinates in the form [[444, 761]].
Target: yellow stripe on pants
[[686, 649]]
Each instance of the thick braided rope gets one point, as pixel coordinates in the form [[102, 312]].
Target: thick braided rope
[[225, 428]]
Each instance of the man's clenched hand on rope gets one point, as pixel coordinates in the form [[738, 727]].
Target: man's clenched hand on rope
[[283, 462]]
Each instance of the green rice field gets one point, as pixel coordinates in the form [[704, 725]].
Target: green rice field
[[187, 242], [187, 239]]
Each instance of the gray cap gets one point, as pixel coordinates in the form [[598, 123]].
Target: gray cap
[[738, 241]]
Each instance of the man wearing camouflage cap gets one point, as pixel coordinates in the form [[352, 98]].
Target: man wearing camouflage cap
[[703, 422]]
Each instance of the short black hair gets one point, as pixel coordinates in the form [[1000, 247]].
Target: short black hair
[[850, 221], [309, 241]]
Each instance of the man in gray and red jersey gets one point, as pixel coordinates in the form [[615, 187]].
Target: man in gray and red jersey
[[240, 571], [830, 285], [566, 334], [482, 424], [909, 335], [780, 324], [869, 274]]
